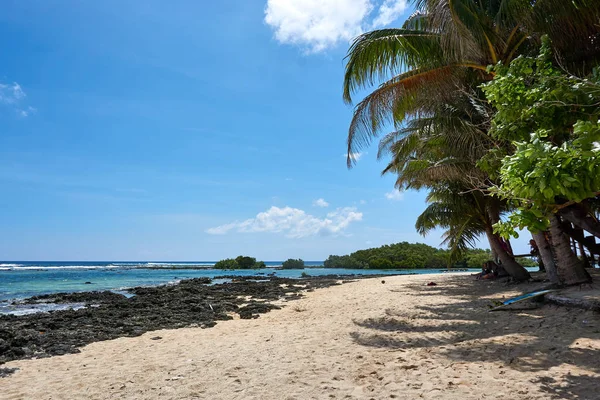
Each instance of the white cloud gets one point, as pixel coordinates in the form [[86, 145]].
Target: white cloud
[[317, 25], [320, 203], [389, 11], [293, 222], [394, 195], [363, 202]]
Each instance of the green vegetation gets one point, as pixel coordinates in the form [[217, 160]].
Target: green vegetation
[[405, 255], [240, 262], [293, 264], [527, 262], [344, 262], [499, 126], [553, 121]]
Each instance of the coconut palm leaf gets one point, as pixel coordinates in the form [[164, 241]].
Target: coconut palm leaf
[[380, 54]]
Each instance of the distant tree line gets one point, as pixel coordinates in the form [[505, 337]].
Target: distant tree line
[[407, 255], [392, 256]]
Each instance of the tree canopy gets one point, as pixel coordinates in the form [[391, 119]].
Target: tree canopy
[[291, 263], [240, 262], [486, 125], [406, 255]]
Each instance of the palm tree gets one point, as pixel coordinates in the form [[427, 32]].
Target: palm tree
[[439, 153], [442, 52], [448, 45]]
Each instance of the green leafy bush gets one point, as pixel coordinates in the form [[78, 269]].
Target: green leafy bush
[[293, 264], [228, 263], [553, 122]]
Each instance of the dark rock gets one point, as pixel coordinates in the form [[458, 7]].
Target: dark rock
[[4, 372], [83, 297], [190, 303]]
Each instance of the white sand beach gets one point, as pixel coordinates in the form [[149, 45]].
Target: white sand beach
[[360, 340]]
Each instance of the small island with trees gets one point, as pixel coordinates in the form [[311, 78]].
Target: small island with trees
[[240, 262], [291, 263]]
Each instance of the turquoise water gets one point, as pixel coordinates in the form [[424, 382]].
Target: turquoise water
[[19, 280]]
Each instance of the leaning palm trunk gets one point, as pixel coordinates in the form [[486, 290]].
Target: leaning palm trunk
[[545, 250], [582, 218], [513, 268], [569, 268]]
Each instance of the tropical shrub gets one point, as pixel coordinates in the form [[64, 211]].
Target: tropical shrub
[[240, 262], [293, 264]]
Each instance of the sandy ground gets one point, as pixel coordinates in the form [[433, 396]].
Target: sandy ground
[[362, 340]]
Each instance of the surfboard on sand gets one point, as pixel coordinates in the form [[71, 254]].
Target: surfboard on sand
[[521, 298]]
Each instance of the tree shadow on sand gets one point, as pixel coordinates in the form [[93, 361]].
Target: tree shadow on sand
[[534, 338], [576, 387]]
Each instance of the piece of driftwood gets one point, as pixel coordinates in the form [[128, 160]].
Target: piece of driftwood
[[586, 304]]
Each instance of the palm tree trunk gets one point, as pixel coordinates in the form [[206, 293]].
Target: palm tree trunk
[[579, 216], [545, 250], [584, 257], [513, 268], [569, 268]]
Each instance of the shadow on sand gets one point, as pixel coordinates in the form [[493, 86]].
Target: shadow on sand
[[535, 337]]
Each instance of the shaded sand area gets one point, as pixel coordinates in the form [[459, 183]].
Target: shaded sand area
[[360, 340]]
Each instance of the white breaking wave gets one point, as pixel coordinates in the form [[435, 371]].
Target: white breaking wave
[[203, 264], [43, 267], [117, 265]]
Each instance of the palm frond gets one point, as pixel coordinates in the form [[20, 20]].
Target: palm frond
[[408, 94], [380, 54]]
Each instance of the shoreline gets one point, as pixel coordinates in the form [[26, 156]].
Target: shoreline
[[363, 339], [105, 315], [16, 285]]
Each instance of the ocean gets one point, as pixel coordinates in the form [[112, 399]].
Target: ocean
[[20, 279]]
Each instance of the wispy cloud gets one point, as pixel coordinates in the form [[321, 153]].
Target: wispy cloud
[[27, 112], [320, 203], [293, 222], [317, 25], [12, 95], [394, 195], [355, 156]]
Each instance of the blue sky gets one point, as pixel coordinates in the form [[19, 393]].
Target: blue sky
[[187, 130]]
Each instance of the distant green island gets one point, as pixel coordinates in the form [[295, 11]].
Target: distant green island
[[401, 255], [406, 255]]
